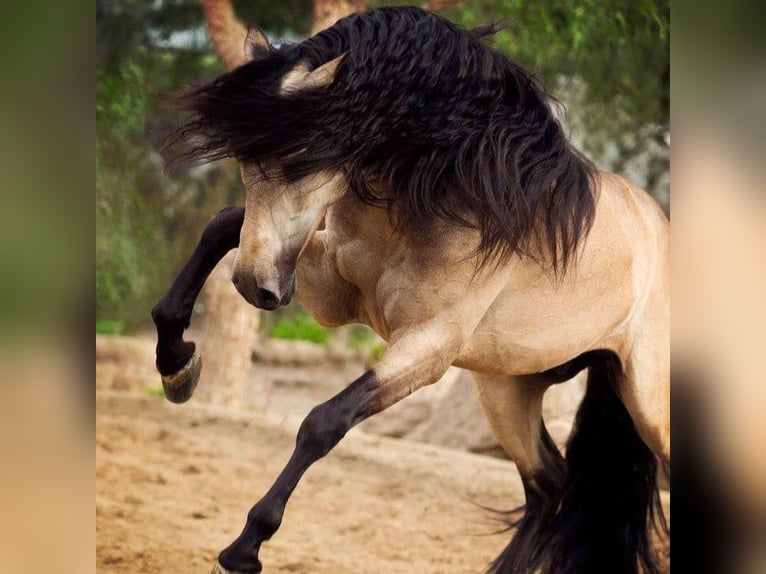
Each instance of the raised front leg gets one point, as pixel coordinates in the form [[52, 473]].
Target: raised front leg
[[177, 360], [419, 357]]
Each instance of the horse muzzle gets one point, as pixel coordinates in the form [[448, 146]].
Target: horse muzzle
[[264, 297]]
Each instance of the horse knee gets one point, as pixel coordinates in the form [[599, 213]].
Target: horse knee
[[321, 430], [264, 520]]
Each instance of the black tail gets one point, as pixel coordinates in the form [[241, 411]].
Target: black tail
[[598, 517]]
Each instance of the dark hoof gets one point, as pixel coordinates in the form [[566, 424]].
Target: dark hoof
[[218, 569], [180, 385]]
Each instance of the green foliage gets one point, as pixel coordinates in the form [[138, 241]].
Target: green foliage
[[109, 327], [300, 326], [376, 351], [617, 50], [366, 343], [120, 98], [155, 392], [147, 223], [129, 246]]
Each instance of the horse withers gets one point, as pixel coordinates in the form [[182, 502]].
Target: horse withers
[[461, 225]]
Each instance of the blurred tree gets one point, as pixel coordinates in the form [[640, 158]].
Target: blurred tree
[[327, 12]]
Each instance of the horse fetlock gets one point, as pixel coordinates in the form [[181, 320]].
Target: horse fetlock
[[179, 386], [238, 560], [169, 321], [265, 520], [173, 355]]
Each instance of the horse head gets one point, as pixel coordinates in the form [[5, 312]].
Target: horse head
[[281, 214], [280, 219]]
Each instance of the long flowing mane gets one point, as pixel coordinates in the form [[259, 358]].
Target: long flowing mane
[[451, 130]]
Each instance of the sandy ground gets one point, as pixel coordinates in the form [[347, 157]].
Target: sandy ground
[[174, 482], [174, 485]]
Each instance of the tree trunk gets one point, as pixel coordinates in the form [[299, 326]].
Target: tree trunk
[[231, 326], [327, 12]]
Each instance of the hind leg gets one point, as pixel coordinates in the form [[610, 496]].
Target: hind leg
[[645, 392], [645, 354], [513, 406]]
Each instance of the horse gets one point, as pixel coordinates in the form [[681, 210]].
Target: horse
[[400, 173]]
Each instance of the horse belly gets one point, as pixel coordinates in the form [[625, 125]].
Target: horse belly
[[529, 334]]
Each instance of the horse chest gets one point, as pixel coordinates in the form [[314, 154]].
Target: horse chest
[[359, 265], [365, 253]]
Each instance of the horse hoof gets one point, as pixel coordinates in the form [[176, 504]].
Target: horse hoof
[[180, 385], [218, 569]]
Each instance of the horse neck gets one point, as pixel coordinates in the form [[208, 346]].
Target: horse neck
[[351, 217]]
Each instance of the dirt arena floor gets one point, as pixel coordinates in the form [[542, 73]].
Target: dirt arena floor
[[174, 484]]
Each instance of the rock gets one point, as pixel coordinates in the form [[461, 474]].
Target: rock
[[403, 417], [444, 414], [561, 401], [560, 407], [125, 363], [134, 352], [297, 353], [456, 420]]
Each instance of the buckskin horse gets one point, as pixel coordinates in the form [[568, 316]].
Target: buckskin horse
[[462, 226]]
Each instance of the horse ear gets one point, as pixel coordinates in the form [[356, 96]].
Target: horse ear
[[257, 45], [301, 78]]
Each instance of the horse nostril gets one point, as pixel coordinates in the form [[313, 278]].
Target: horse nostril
[[267, 299]]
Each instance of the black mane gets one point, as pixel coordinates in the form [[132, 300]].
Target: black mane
[[450, 128]]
